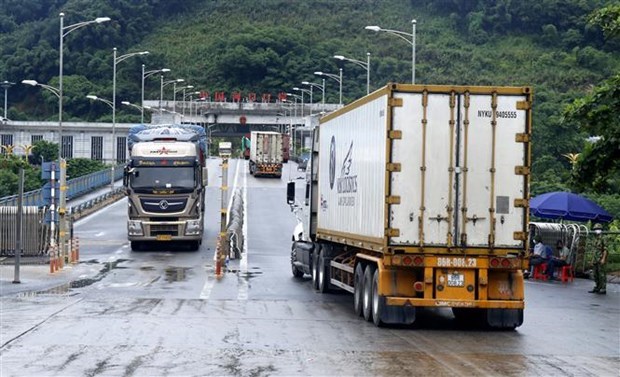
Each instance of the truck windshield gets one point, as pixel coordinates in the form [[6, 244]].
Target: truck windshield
[[163, 177]]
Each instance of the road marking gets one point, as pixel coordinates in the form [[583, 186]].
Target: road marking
[[206, 290], [243, 264]]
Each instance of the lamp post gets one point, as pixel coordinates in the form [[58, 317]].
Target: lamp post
[[401, 35], [53, 207], [6, 85], [175, 96], [64, 30], [365, 65], [111, 104], [116, 61], [333, 77], [191, 100], [161, 89], [144, 76], [312, 85], [141, 108], [302, 98]]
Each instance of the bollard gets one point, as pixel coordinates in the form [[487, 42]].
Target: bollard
[[77, 249], [53, 266], [218, 259]]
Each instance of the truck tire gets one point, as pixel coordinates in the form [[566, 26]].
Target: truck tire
[[323, 283], [193, 245], [294, 269], [367, 301], [378, 304], [315, 268], [358, 290]]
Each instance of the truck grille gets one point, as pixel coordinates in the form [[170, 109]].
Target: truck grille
[[163, 205], [172, 230]]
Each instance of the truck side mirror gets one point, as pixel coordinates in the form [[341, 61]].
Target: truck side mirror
[[290, 193]]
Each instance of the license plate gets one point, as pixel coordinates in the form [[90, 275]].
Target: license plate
[[164, 237], [456, 280]]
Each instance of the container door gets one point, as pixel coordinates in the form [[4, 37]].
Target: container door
[[488, 163], [426, 152]]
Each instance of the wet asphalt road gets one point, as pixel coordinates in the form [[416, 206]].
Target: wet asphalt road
[[163, 313]]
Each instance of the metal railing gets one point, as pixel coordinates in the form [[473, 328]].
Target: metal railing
[[76, 188], [35, 233]]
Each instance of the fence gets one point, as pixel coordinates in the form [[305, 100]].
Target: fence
[[75, 188], [35, 233]]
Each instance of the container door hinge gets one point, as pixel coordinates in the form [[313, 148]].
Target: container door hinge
[[519, 236], [523, 138], [395, 134], [395, 102], [521, 203], [393, 167], [522, 170], [394, 199], [524, 105]]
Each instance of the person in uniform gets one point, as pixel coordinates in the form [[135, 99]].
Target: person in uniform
[[600, 258]]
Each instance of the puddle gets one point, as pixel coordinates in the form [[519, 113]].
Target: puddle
[[176, 274], [147, 268]]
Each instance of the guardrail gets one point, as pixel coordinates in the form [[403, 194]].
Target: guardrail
[[76, 188]]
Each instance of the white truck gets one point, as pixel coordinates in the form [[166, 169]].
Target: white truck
[[417, 196], [266, 153], [165, 181]]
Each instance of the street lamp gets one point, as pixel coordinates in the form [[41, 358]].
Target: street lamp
[[53, 207], [333, 77], [111, 104], [175, 96], [302, 99], [191, 101], [296, 96], [64, 31], [116, 61], [401, 35], [312, 85], [141, 108], [6, 85], [144, 76], [365, 65], [161, 89]]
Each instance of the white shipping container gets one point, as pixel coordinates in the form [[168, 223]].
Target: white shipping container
[[266, 147], [455, 178]]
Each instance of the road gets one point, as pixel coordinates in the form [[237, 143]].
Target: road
[[163, 313]]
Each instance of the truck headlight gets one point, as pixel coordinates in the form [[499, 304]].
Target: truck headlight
[[193, 228], [134, 228]]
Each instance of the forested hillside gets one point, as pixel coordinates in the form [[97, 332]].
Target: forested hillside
[[567, 50]]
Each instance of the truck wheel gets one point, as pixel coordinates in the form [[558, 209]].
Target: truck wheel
[[193, 245], [296, 271], [358, 290], [136, 245], [378, 304], [323, 283], [315, 269], [367, 302]]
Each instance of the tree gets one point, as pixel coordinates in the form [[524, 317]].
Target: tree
[[598, 167], [44, 151]]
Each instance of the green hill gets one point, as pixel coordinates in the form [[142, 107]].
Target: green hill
[[270, 46]]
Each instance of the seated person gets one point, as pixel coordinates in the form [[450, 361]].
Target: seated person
[[559, 261], [540, 254]]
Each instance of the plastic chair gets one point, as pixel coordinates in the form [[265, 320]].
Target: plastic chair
[[567, 273], [539, 271]]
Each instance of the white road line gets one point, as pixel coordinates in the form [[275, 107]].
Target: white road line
[[243, 264]]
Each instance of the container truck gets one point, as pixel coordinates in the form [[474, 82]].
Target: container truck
[[266, 154], [165, 181], [417, 197]]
